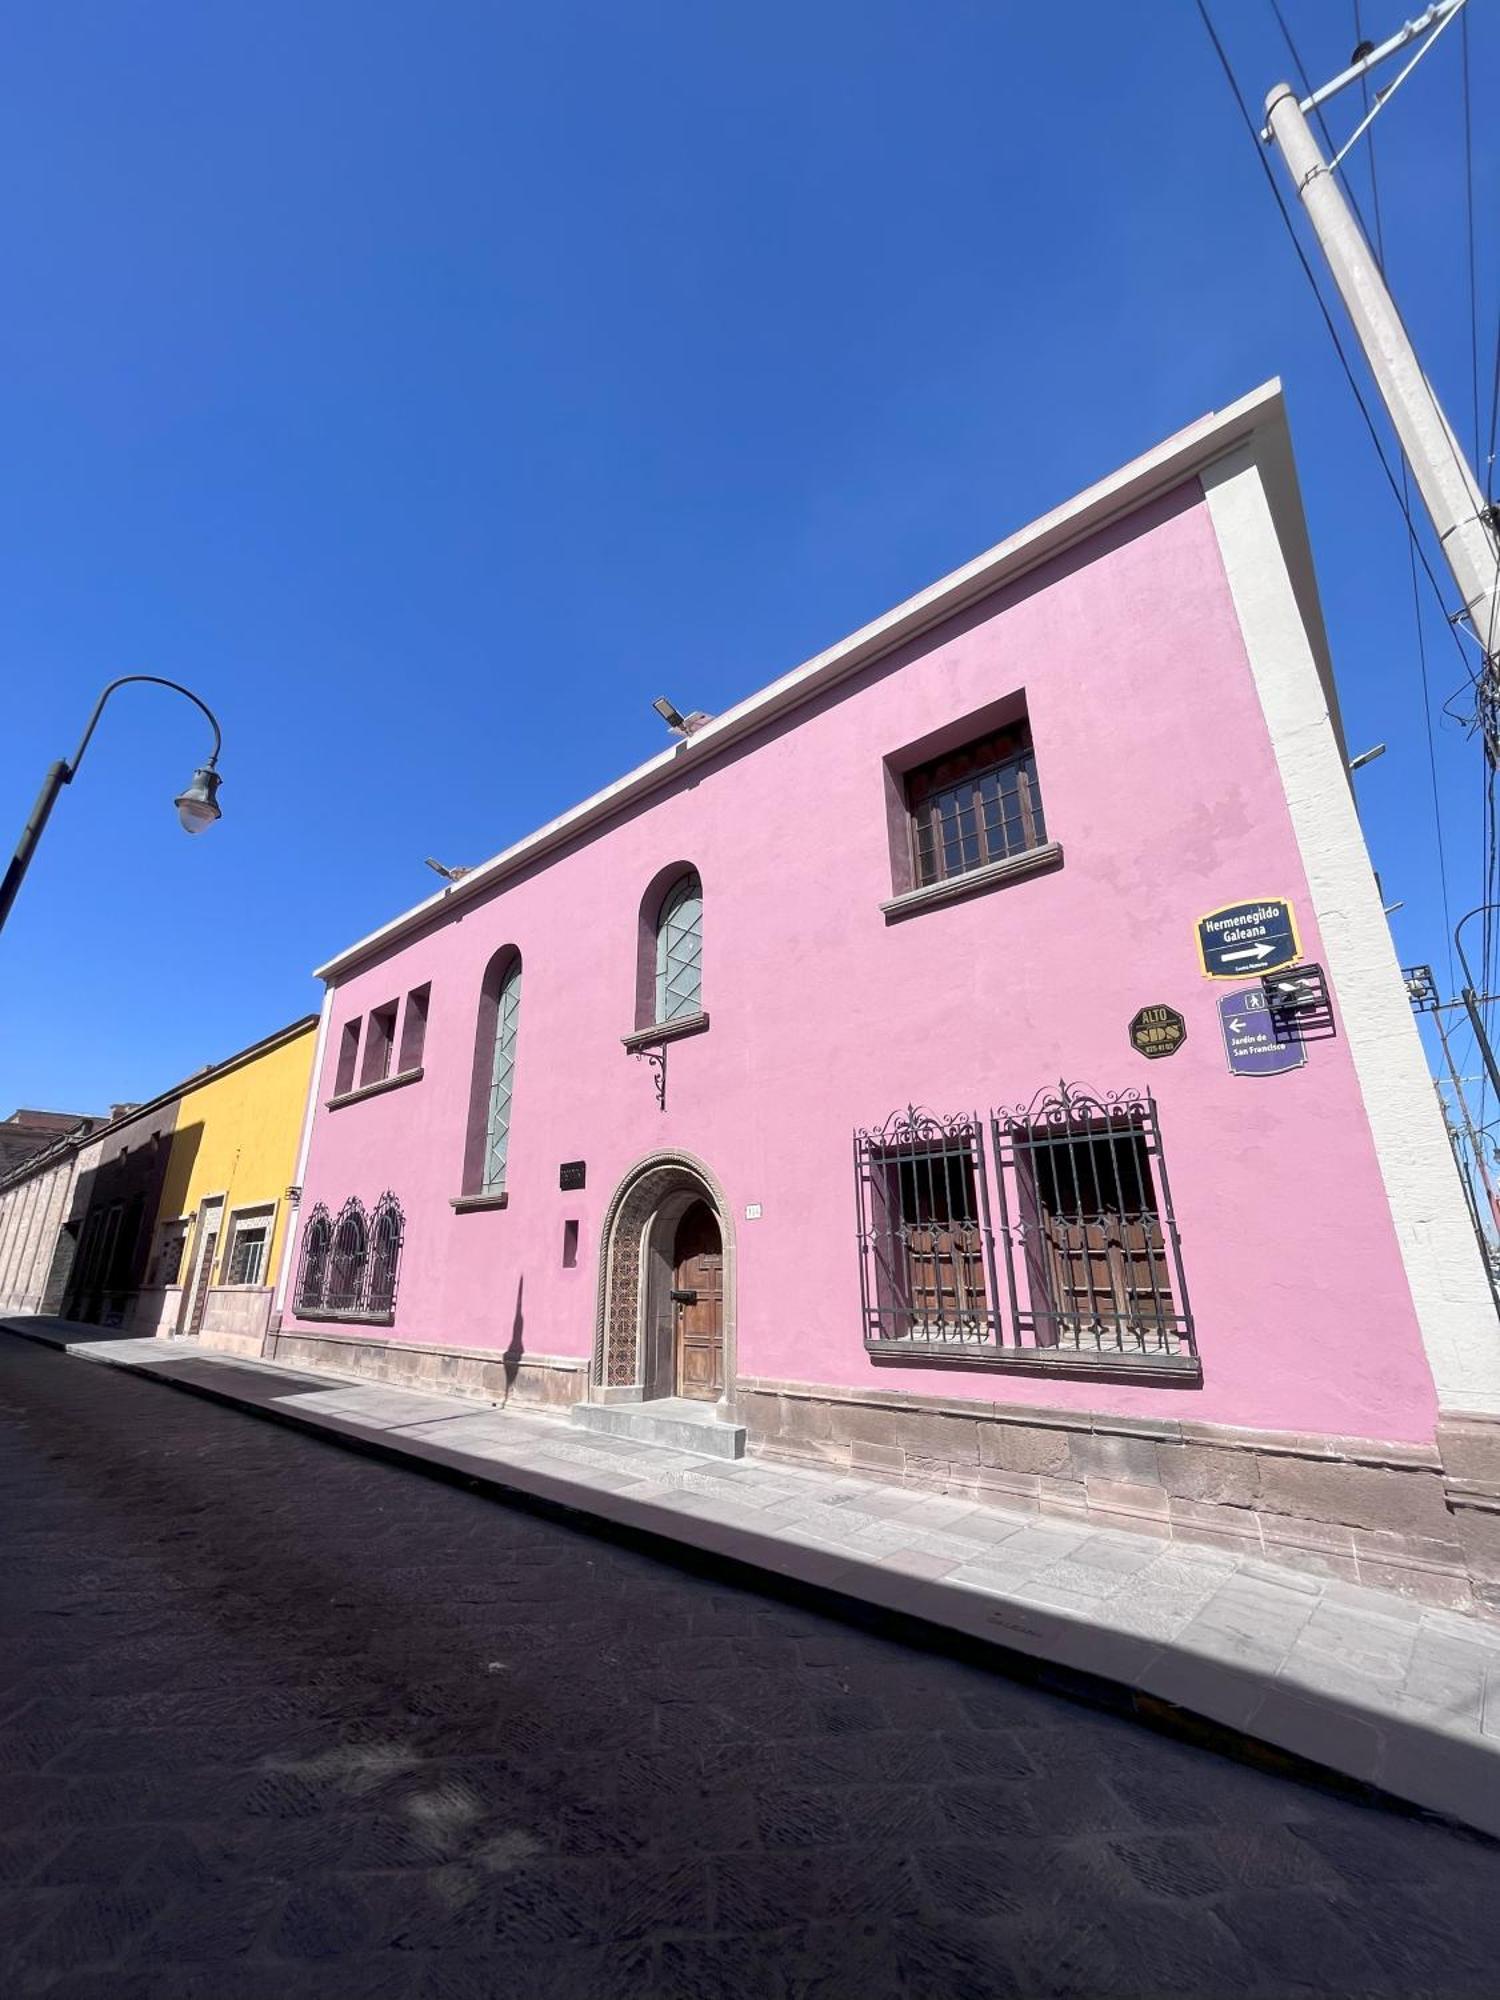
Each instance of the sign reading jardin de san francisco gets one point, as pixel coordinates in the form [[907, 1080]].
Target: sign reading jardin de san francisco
[[1248, 938], [1157, 1031], [1251, 1044]]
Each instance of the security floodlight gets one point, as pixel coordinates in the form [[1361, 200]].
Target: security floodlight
[[672, 717], [198, 806], [448, 874]]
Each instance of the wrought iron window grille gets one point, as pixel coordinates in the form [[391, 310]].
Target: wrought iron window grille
[[927, 1251], [1093, 1258], [350, 1264], [312, 1273]]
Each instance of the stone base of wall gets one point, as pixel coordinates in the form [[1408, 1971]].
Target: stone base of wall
[[154, 1313], [1420, 1520], [529, 1382], [235, 1317]]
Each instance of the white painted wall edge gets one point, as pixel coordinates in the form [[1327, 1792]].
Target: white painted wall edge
[[1257, 515]]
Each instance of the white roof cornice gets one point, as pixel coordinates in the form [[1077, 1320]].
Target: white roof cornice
[[1168, 465]]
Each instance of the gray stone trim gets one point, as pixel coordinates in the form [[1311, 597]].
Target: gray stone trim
[[1416, 1519], [377, 1089], [1015, 868], [617, 1317], [1185, 1370], [344, 1319], [466, 1204], [664, 1031]]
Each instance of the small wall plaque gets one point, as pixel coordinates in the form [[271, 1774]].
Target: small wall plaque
[[752, 1211], [572, 1174], [1157, 1031]]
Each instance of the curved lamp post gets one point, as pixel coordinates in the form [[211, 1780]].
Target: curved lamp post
[[197, 806]]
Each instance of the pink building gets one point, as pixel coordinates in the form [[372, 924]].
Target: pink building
[[848, 1081]]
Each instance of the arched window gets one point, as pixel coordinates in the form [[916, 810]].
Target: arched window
[[346, 1264], [312, 1279], [386, 1231], [679, 950], [493, 1086]]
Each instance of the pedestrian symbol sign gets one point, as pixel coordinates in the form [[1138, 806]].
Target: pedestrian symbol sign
[[1251, 1042], [1244, 940]]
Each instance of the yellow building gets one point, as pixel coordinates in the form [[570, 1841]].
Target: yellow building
[[225, 1212]]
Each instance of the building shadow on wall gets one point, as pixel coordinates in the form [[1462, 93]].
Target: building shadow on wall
[[517, 1348]]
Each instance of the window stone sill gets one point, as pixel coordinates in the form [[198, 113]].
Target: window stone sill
[[466, 1204], [345, 1318], [664, 1031], [402, 1076], [1015, 868], [1183, 1370]]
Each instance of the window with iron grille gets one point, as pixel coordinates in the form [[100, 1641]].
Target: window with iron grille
[[1091, 1247], [249, 1246], [386, 1230], [679, 951], [312, 1276], [927, 1258], [347, 1259], [974, 806]]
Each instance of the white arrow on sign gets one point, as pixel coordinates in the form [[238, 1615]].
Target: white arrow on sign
[[1257, 951]]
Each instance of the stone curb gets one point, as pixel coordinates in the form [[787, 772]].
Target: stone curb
[[1378, 1754]]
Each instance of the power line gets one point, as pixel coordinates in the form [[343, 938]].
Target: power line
[[1416, 595], [1328, 321], [1463, 31]]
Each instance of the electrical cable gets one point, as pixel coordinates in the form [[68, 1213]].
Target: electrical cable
[[1416, 595], [1333, 333]]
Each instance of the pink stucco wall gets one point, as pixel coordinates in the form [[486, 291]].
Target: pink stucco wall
[[1160, 783]]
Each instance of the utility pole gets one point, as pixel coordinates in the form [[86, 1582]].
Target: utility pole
[[1465, 527]]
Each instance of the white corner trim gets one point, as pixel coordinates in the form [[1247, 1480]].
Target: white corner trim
[[294, 1220], [1256, 512]]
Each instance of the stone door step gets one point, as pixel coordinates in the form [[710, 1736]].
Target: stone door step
[[674, 1421]]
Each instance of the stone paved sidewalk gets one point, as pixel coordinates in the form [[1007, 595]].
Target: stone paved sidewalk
[[1380, 1690]]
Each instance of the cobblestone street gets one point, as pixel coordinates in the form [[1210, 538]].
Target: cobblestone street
[[276, 1719]]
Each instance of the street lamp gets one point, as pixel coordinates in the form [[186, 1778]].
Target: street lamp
[[197, 806]]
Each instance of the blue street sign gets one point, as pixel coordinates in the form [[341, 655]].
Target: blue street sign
[[1245, 939], [1250, 1040]]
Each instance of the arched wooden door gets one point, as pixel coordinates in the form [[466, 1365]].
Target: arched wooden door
[[698, 1304]]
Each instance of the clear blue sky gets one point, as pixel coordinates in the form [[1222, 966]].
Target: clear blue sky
[[430, 386]]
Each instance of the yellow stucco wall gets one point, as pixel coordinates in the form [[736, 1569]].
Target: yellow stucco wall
[[236, 1136]]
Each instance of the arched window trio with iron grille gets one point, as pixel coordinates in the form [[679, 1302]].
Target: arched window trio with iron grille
[[350, 1261]]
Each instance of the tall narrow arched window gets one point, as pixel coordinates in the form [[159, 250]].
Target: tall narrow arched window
[[679, 950], [312, 1277], [491, 1093], [387, 1228], [346, 1264]]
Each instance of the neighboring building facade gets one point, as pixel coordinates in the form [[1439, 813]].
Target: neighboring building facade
[[623, 1120], [26, 1133], [221, 1222], [36, 1196]]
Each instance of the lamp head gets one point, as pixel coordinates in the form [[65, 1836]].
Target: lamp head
[[198, 806], [670, 714]]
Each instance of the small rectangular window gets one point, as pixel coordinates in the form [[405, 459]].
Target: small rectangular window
[[348, 1057], [570, 1245], [167, 1268], [249, 1250], [380, 1040], [975, 805], [414, 1028]]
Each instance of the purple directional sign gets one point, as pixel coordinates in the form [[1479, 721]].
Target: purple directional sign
[[1250, 1040]]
